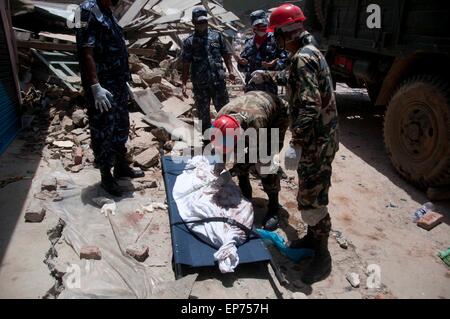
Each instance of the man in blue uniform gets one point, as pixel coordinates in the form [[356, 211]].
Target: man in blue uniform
[[203, 54], [261, 53], [103, 57]]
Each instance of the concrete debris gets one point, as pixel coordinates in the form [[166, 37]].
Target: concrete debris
[[34, 214], [49, 184], [148, 158], [63, 144], [138, 252], [353, 279], [79, 118], [90, 252], [299, 295]]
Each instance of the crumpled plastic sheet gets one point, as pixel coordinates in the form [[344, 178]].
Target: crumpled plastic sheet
[[199, 197], [276, 240], [115, 275]]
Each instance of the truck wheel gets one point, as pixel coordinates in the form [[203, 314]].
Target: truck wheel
[[417, 131]]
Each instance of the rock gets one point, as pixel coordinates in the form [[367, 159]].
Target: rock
[[34, 214], [148, 158], [136, 120], [78, 156], [49, 184], [82, 139], [151, 76], [138, 252], [63, 144], [142, 143], [89, 156], [137, 81], [79, 118], [90, 252], [49, 140], [161, 134], [158, 93], [67, 124], [77, 131], [353, 279], [299, 295], [430, 220], [76, 168]]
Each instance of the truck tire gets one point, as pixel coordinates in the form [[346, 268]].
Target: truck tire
[[417, 131]]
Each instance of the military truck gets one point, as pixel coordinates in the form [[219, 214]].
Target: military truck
[[404, 62]]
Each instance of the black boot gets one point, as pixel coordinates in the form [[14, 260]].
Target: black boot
[[245, 186], [122, 169], [320, 266], [271, 220], [109, 184], [306, 241]]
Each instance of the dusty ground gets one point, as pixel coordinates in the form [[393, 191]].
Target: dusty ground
[[370, 205]]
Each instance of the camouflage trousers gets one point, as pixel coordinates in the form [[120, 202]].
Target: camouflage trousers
[[109, 130], [203, 94], [314, 175], [270, 182]]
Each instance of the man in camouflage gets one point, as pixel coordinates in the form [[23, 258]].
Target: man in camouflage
[[104, 68], [260, 53], [315, 136], [203, 54], [256, 110]]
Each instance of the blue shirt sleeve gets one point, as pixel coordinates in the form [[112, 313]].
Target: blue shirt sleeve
[[186, 55], [86, 34], [224, 50]]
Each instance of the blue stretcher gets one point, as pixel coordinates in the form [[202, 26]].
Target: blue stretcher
[[188, 248]]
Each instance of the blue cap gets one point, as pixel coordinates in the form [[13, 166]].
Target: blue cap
[[199, 14], [259, 17]]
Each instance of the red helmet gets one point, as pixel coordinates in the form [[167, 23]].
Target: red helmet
[[229, 130], [285, 14]]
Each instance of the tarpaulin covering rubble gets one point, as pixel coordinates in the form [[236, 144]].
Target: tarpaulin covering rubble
[[116, 275]]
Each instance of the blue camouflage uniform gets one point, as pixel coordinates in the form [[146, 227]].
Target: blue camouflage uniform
[[267, 52], [205, 53], [100, 31]]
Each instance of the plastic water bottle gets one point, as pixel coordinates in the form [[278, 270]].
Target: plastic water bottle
[[427, 207]]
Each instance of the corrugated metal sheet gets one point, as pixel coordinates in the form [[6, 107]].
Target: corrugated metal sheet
[[9, 119]]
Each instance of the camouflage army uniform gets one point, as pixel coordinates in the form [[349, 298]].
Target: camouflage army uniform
[[267, 52], [109, 130], [259, 110], [204, 52], [314, 122]]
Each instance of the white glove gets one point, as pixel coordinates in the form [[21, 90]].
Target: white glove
[[109, 209], [292, 157], [257, 77], [102, 98]]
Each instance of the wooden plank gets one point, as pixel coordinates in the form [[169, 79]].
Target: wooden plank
[[48, 46], [151, 106], [175, 106], [132, 12]]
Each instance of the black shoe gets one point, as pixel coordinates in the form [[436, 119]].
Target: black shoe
[[124, 171], [245, 186], [109, 184], [306, 242], [271, 222], [320, 266]]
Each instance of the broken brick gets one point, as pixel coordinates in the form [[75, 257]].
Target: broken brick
[[78, 156], [49, 184], [138, 252], [430, 220], [148, 158], [90, 252], [35, 214]]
